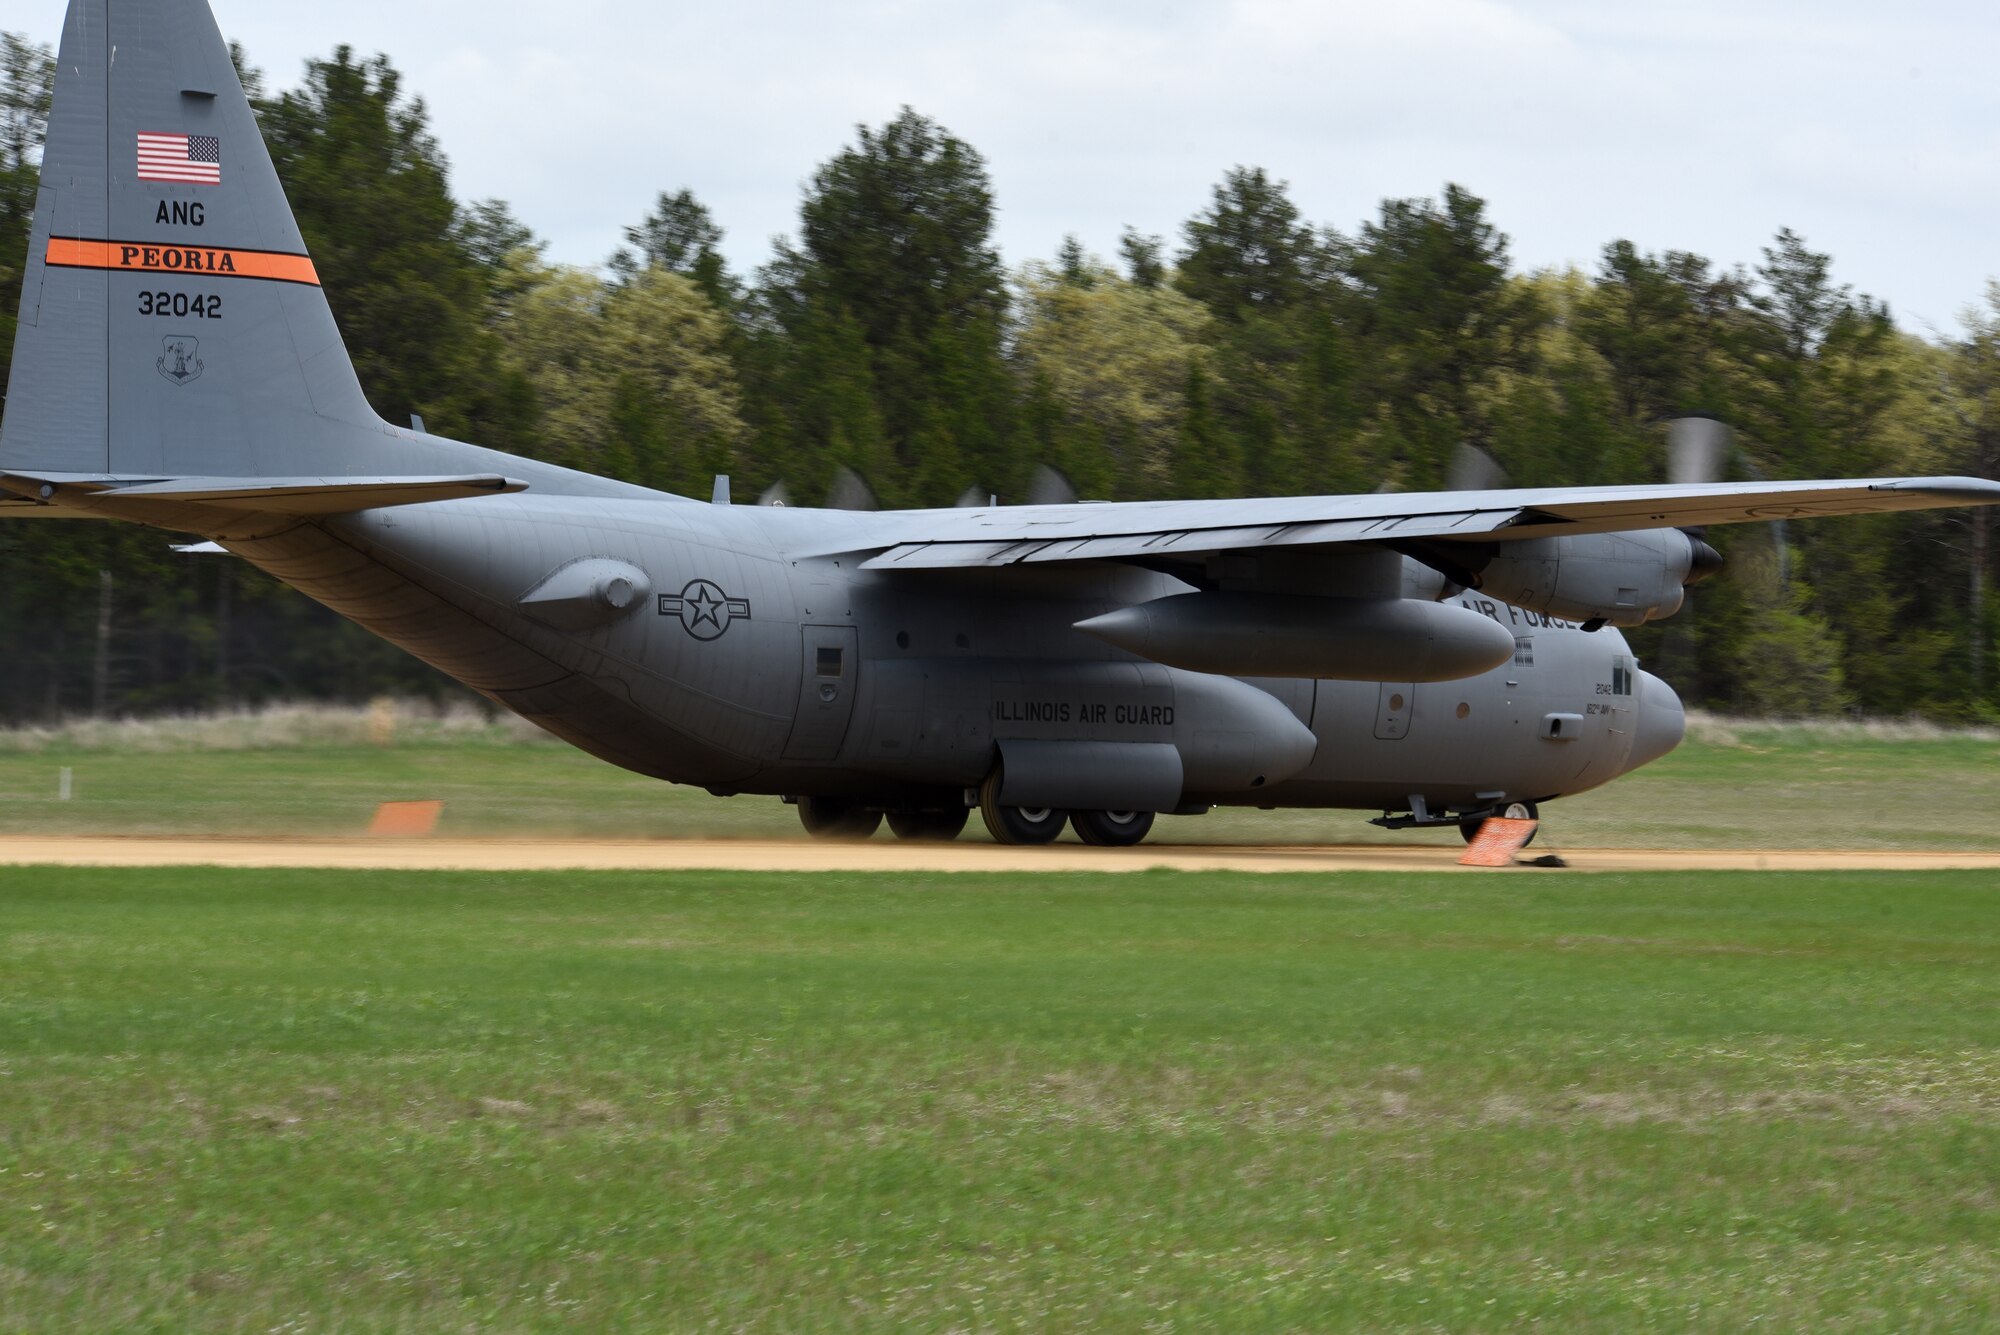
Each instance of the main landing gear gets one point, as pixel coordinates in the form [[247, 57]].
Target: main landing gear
[[834, 818], [1111, 829], [841, 819], [837, 818], [928, 826], [1040, 825]]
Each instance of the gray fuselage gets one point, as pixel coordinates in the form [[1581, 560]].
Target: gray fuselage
[[748, 652]]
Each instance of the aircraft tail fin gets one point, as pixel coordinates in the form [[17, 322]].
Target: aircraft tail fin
[[172, 324], [171, 320]]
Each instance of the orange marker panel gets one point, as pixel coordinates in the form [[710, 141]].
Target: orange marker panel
[[1498, 840], [406, 818], [71, 252]]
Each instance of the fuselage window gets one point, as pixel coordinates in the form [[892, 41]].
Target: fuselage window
[[1621, 676]]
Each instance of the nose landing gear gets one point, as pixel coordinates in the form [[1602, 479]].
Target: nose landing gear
[[1468, 821]]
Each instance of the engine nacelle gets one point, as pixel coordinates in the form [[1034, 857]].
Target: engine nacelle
[[1626, 578]]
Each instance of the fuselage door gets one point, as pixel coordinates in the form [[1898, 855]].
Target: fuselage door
[[1392, 711], [826, 692]]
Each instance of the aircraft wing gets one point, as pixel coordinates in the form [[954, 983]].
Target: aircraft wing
[[1174, 530]]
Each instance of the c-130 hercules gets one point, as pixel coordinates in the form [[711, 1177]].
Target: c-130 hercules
[[1435, 657]]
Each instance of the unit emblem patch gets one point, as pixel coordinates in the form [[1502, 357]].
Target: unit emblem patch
[[177, 360]]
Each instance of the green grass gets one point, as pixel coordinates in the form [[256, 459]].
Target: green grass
[[314, 772], [371, 1101]]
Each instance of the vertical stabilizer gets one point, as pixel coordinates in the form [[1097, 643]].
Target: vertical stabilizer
[[172, 323]]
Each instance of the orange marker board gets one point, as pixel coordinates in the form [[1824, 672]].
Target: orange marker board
[[406, 818], [1498, 840]]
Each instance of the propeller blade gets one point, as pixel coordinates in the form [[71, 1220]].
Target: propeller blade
[[776, 494], [1697, 448], [1473, 469], [850, 491], [1049, 487], [974, 497]]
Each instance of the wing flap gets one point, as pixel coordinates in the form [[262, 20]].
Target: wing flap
[[1161, 544]]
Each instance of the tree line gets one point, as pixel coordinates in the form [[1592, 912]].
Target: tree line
[[1255, 353]]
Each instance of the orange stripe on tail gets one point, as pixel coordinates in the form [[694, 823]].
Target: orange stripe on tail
[[189, 261]]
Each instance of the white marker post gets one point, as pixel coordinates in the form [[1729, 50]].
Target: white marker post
[[63, 785]]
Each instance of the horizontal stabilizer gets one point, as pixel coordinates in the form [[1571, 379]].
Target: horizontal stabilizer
[[124, 497]]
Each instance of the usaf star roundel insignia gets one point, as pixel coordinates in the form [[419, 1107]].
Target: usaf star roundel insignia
[[704, 609]]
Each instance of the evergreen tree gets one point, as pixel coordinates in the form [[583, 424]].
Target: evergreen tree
[[1815, 387], [1205, 459], [27, 83], [896, 245], [1248, 250], [1661, 322], [1278, 373], [1436, 321], [680, 237], [507, 252], [1142, 255], [1560, 417], [1075, 266], [814, 407], [1974, 377], [410, 300]]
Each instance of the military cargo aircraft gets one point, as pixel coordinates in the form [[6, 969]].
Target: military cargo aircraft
[[1438, 658]]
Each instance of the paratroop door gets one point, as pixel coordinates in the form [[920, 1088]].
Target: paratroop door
[[826, 692]]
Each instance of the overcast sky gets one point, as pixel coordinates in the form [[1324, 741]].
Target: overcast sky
[[1871, 129]]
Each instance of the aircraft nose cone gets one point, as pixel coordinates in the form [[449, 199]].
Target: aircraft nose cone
[[1703, 561], [1662, 722]]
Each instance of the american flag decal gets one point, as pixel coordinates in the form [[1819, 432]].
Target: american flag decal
[[192, 159]]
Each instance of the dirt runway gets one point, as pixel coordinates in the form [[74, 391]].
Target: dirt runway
[[883, 855]]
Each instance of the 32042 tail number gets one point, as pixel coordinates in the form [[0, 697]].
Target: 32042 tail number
[[181, 305]]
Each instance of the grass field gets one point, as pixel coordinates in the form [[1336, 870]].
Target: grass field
[[373, 1101], [317, 772]]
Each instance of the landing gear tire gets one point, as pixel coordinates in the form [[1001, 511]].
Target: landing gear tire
[[1469, 827], [1017, 825], [1111, 829], [835, 818], [928, 826]]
